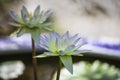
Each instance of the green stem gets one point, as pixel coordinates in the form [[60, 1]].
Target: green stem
[[59, 70], [34, 60]]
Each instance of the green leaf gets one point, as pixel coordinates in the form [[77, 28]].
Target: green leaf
[[77, 54], [36, 35], [67, 61], [46, 54], [14, 24], [21, 32]]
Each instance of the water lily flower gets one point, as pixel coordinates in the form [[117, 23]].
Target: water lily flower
[[64, 46], [31, 23]]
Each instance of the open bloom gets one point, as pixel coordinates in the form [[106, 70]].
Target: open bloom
[[31, 23], [63, 46]]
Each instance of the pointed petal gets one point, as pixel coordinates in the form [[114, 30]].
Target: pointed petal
[[78, 52], [58, 43], [15, 32], [41, 18], [14, 24], [67, 61], [76, 40], [34, 20], [66, 35], [83, 51], [69, 48], [44, 46], [46, 24], [74, 37], [43, 40], [36, 35], [80, 44], [46, 54], [47, 29], [37, 11], [21, 32], [48, 13], [24, 13], [15, 16], [65, 38], [45, 16], [52, 36]]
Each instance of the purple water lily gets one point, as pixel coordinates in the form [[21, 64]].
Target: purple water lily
[[63, 46], [32, 24]]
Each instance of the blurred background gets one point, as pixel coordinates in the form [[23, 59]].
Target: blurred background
[[96, 20]]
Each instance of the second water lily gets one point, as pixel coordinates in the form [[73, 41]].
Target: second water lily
[[64, 46]]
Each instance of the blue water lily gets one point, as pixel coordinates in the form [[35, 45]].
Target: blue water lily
[[64, 46], [31, 23]]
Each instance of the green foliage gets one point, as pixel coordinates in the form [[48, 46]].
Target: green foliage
[[67, 61], [31, 23], [95, 71], [64, 46]]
